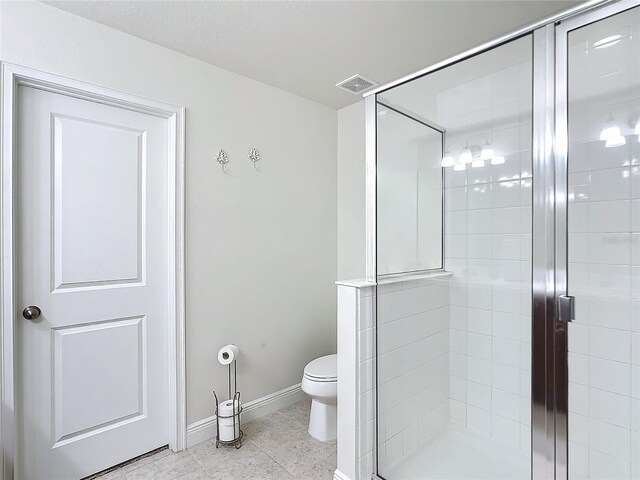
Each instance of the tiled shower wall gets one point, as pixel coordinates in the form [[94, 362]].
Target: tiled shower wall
[[488, 249], [413, 363]]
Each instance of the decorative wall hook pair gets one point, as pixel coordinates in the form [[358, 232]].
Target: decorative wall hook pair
[[222, 158]]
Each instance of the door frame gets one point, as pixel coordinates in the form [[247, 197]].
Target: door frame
[[13, 76]]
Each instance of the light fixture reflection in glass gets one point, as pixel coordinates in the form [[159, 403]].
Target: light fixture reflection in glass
[[607, 41], [615, 141], [459, 167], [447, 160], [466, 156], [610, 130], [499, 160], [477, 163], [487, 152]]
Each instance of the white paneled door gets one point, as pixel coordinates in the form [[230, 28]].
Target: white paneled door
[[92, 248]]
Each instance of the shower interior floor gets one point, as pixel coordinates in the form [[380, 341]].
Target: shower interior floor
[[458, 453]]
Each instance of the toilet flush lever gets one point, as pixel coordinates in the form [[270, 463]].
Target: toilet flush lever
[[566, 308]]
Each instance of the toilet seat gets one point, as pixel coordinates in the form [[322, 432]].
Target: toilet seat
[[323, 369]]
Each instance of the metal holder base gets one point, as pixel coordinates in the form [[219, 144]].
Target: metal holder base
[[237, 410]]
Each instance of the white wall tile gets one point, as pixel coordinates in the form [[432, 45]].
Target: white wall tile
[[611, 376], [610, 184], [457, 389], [579, 429], [506, 325], [610, 439], [506, 299], [609, 407], [479, 246], [389, 336], [612, 312], [479, 346], [366, 343], [578, 398], [610, 343], [479, 371], [579, 368], [505, 378], [479, 395], [506, 220], [506, 194], [612, 216], [506, 352], [455, 198], [479, 296], [606, 467], [505, 430], [458, 412], [505, 404], [479, 221], [479, 196], [478, 320]]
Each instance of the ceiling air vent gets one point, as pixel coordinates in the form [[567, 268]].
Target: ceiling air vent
[[356, 84]]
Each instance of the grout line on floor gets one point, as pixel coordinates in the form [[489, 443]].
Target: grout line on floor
[[206, 472], [292, 421], [274, 460]]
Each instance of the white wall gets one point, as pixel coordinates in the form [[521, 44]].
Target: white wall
[[261, 246], [351, 192]]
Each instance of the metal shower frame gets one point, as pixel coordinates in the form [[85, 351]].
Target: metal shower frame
[[549, 368]]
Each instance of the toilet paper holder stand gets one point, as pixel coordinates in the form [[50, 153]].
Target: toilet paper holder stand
[[234, 395]]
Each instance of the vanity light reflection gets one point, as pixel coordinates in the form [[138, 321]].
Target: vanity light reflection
[[482, 155]]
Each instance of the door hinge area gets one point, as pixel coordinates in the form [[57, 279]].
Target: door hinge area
[[566, 308]]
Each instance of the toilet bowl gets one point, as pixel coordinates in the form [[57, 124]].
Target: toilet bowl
[[320, 382]]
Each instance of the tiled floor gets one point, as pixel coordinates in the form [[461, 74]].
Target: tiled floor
[[276, 447]]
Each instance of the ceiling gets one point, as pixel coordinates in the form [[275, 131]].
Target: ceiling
[[306, 47]]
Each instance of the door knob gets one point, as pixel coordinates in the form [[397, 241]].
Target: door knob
[[31, 312]]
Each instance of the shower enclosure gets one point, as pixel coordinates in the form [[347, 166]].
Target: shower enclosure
[[504, 240]]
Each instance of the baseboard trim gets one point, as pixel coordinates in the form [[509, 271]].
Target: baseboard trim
[[338, 475], [205, 429]]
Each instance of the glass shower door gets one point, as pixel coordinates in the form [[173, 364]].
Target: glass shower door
[[599, 58], [453, 327]]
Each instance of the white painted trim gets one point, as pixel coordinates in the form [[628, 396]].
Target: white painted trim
[[356, 283], [205, 429], [371, 118], [12, 76], [338, 475]]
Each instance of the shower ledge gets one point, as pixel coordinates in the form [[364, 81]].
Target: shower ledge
[[357, 283], [398, 278]]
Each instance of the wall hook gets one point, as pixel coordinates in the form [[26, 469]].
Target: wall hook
[[254, 156], [222, 158]]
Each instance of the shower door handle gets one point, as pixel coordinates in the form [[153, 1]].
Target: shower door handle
[[566, 308]]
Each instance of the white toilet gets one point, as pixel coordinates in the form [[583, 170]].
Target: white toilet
[[320, 382]]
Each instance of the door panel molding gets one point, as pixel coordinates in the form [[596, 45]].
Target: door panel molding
[[13, 76]]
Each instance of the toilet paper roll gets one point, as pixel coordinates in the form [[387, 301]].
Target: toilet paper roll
[[227, 354]]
